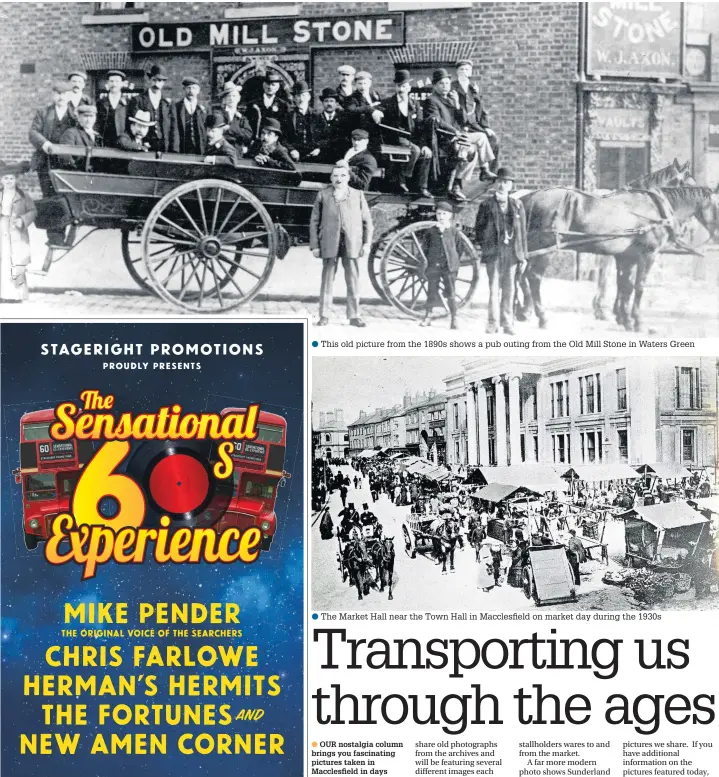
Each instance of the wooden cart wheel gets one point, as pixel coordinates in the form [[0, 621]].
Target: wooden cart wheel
[[528, 584], [373, 264], [409, 543], [403, 265], [132, 255], [208, 246]]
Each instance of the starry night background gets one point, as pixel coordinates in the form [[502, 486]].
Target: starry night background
[[269, 592]]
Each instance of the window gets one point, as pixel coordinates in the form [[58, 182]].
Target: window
[[456, 416], [688, 446], [590, 394], [623, 444], [456, 451], [40, 487], [522, 448], [536, 447], [490, 410], [346, 438], [688, 397], [522, 400], [621, 389], [592, 445], [328, 438], [621, 163], [534, 403], [559, 443], [560, 399], [492, 451]]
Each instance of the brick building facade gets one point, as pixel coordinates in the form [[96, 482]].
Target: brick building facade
[[559, 122]]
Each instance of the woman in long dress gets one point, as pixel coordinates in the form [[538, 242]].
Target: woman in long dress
[[485, 561], [17, 212]]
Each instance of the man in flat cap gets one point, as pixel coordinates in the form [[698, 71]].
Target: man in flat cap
[[501, 233], [159, 108], [77, 97], [346, 86], [112, 110], [270, 105], [400, 112], [48, 126], [470, 101], [464, 148], [83, 135], [362, 111], [188, 135], [362, 163], [327, 129], [300, 124], [443, 247], [268, 151], [238, 132], [218, 147]]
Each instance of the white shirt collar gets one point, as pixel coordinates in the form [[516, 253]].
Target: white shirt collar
[[154, 98], [113, 99], [190, 107], [268, 99], [60, 113]]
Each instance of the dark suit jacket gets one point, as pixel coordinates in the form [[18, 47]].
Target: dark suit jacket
[[159, 135], [177, 132], [443, 111], [108, 130], [239, 131], [126, 142], [76, 136], [299, 129], [46, 127], [279, 157], [358, 115], [393, 118], [439, 248], [490, 225], [328, 136], [256, 113], [327, 225], [224, 149], [363, 166], [471, 104]]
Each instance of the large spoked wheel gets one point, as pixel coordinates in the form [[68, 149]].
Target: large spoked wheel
[[403, 266], [132, 255], [208, 246], [373, 265]]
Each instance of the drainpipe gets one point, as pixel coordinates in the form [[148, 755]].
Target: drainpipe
[[581, 78]]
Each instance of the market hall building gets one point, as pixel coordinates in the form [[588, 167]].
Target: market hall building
[[580, 94]]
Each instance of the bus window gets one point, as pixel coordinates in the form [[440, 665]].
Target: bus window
[[38, 431], [40, 487], [269, 433], [258, 490], [66, 482]]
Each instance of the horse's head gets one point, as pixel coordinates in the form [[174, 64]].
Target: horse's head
[[388, 545]]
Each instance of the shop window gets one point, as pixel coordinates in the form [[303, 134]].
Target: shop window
[[623, 444], [688, 446], [687, 379], [621, 163], [621, 389]]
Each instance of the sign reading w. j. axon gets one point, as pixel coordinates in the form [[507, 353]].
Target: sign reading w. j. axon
[[634, 39]]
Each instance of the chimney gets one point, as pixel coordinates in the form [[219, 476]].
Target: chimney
[[407, 400], [339, 418], [378, 410], [322, 420], [432, 393], [362, 414]]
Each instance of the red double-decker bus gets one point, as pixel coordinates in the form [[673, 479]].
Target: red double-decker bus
[[259, 468], [48, 472]]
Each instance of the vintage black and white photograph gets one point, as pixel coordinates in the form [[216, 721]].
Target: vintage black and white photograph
[[498, 167], [509, 484]]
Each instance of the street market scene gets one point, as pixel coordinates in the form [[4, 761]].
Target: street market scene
[[446, 503], [190, 158]]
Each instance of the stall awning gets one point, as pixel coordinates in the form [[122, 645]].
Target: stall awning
[[367, 454], [397, 455], [667, 515], [536, 477], [707, 503], [670, 471], [594, 473], [497, 492]]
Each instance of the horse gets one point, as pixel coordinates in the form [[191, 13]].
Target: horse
[[384, 562], [445, 542], [632, 226], [358, 563]]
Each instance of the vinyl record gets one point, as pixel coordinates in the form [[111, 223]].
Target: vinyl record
[[177, 480]]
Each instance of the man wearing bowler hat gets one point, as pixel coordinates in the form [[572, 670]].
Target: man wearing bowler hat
[[400, 113], [346, 86], [327, 129], [267, 151], [48, 126], [501, 233], [159, 108], [77, 97], [111, 119], [187, 135], [362, 110], [300, 124], [218, 147], [464, 148], [238, 131], [470, 101], [270, 105]]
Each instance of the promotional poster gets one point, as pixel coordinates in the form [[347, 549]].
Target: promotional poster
[[152, 601]]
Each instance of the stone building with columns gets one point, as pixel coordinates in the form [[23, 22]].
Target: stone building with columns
[[583, 411], [330, 438]]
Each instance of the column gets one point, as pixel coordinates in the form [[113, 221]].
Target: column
[[472, 457], [500, 420], [482, 425], [515, 451]]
